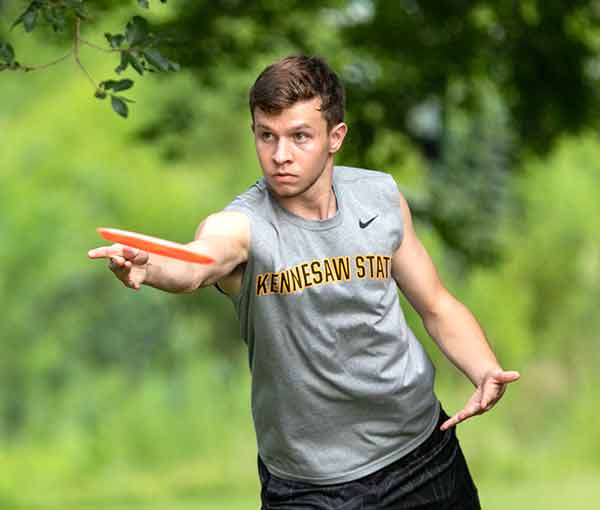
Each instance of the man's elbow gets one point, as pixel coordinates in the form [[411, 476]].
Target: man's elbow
[[438, 307]]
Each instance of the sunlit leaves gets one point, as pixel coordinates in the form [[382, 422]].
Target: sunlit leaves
[[146, 4], [53, 12], [139, 50], [118, 103], [115, 41], [7, 53], [117, 86], [158, 61], [137, 31], [7, 57], [129, 57], [136, 64], [137, 46], [29, 16], [119, 106], [77, 6], [55, 16]]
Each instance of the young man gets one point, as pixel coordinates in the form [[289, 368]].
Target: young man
[[312, 256]]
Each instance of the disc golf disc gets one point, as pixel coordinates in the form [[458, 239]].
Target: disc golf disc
[[154, 245]]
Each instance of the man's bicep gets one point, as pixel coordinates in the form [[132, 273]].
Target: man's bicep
[[225, 237], [413, 270]]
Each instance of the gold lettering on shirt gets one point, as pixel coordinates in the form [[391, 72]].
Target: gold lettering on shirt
[[323, 272]]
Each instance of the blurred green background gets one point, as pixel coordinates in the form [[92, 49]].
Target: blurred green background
[[484, 113]]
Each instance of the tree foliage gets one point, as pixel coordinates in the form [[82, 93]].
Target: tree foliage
[[410, 67], [397, 54], [137, 46]]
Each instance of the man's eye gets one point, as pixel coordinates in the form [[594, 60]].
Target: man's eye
[[300, 137], [266, 136]]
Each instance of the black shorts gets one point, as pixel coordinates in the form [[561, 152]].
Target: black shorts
[[434, 476]]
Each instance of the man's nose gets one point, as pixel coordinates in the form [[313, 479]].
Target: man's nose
[[282, 152]]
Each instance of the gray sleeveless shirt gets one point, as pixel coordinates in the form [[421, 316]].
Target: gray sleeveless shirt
[[340, 385]]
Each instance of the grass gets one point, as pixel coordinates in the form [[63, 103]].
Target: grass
[[573, 493]]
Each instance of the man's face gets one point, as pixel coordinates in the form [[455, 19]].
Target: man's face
[[294, 147]]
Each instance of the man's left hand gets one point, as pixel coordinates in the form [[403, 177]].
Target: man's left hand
[[488, 392]]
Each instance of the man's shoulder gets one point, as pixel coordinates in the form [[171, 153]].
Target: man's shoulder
[[367, 183], [351, 174], [252, 201]]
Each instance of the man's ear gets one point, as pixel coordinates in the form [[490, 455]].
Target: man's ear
[[336, 137]]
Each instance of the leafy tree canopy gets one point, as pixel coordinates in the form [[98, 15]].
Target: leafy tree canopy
[[408, 66]]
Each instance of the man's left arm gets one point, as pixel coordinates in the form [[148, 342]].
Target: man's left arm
[[451, 325]]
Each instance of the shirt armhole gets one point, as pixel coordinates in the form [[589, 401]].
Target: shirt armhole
[[218, 287]]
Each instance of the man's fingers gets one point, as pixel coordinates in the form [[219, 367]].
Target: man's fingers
[[104, 252], [472, 408], [496, 386], [455, 420], [491, 391], [491, 394], [450, 422], [135, 255], [117, 260], [120, 254]]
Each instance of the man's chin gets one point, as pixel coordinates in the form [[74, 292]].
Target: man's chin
[[285, 191]]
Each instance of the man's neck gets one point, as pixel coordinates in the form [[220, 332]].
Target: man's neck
[[317, 203]]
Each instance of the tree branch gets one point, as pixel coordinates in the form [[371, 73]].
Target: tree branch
[[76, 45], [44, 66], [95, 46]]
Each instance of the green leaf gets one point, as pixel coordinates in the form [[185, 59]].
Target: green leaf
[[7, 53], [30, 18], [119, 106], [144, 3], [124, 62], [155, 59], [80, 10], [107, 84], [136, 64], [78, 6], [117, 86], [136, 30], [19, 20], [56, 17], [122, 85], [115, 41]]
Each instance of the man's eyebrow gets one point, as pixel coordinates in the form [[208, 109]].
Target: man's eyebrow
[[301, 125]]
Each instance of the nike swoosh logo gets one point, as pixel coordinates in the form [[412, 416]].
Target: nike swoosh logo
[[367, 223]]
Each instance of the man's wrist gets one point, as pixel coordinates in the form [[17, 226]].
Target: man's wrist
[[486, 373], [150, 268]]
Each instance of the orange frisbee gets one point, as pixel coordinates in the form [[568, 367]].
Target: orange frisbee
[[154, 245]]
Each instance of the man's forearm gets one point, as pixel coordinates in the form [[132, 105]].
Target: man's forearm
[[172, 275], [460, 337]]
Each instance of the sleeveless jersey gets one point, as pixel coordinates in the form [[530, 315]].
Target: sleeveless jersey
[[340, 385]]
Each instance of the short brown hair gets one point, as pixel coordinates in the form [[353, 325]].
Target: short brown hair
[[298, 78]]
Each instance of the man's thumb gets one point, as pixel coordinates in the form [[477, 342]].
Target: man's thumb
[[508, 376]]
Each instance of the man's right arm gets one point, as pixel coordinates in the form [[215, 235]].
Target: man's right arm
[[224, 236]]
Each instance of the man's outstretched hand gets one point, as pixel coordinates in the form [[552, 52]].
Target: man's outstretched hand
[[488, 392], [129, 265]]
